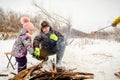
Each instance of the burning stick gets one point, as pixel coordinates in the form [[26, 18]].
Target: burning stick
[[94, 32]]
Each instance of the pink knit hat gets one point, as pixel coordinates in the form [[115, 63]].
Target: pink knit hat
[[24, 20], [27, 25]]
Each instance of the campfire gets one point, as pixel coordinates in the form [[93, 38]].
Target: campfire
[[37, 72]]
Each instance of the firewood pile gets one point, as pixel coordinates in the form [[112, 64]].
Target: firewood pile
[[37, 73]]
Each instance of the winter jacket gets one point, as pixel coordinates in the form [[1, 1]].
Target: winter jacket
[[43, 40], [22, 45]]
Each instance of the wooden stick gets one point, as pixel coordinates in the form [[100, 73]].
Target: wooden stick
[[94, 32], [1, 75]]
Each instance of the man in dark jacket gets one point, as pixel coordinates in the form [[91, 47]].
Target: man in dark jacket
[[49, 42]]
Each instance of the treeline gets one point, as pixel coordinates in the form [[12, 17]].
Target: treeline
[[10, 21]]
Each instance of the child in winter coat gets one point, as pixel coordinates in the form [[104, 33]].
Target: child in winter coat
[[23, 43], [49, 42]]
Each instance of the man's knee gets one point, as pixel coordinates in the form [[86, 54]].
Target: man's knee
[[60, 45]]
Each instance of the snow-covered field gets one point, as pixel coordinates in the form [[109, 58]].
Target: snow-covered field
[[100, 57]]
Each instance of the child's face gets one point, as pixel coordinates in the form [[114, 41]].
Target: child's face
[[46, 29], [31, 31]]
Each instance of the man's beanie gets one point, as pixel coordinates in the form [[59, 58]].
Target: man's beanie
[[45, 24]]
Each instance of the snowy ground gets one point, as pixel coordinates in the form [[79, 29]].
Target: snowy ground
[[87, 55]]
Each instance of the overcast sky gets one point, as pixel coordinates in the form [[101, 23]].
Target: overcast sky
[[86, 15]]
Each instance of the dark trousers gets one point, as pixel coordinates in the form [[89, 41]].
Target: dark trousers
[[58, 50], [22, 63]]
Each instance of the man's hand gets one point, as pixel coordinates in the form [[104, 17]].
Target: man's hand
[[53, 37]]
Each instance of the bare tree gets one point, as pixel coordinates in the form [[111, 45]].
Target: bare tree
[[58, 22]]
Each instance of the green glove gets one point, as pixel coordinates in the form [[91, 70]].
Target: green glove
[[53, 37], [37, 52]]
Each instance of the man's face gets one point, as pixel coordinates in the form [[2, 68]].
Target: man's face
[[46, 29]]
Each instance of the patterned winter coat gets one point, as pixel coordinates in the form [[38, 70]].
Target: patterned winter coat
[[43, 40], [22, 45]]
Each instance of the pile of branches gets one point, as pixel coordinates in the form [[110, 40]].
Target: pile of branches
[[37, 73]]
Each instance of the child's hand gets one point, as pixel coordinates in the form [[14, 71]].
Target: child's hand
[[29, 34]]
